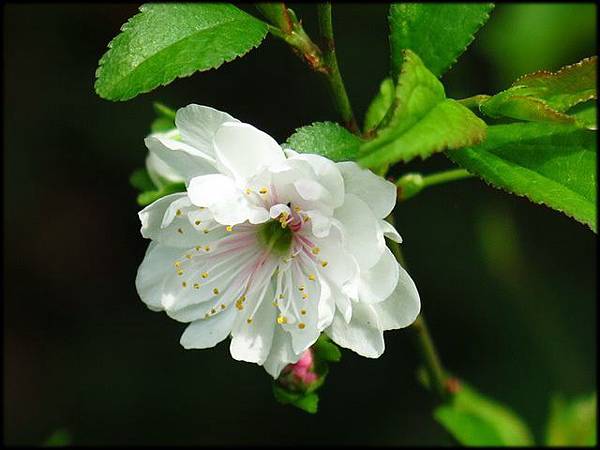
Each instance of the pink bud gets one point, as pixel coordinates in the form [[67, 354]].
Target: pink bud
[[300, 375]]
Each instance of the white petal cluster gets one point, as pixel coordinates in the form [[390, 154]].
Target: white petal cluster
[[269, 246]]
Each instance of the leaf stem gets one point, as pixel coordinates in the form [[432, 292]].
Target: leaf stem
[[446, 176], [424, 342], [474, 101], [411, 184], [336, 84]]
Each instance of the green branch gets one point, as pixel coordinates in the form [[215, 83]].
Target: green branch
[[336, 84], [424, 343]]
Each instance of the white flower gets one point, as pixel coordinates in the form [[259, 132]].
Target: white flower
[[268, 245]]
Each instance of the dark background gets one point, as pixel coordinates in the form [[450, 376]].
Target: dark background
[[508, 288]]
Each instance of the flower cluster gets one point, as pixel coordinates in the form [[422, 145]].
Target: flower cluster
[[269, 246]]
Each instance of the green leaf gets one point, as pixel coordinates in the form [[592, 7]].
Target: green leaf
[[546, 96], [326, 350], [437, 32], [585, 115], [422, 121], [161, 125], [164, 111], [308, 402], [140, 180], [380, 105], [169, 40], [551, 164], [326, 139], [572, 422], [165, 120], [145, 198], [476, 420]]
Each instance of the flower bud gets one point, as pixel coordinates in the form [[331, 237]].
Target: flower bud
[[300, 376]]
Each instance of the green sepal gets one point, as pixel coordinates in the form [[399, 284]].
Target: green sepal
[[145, 198]]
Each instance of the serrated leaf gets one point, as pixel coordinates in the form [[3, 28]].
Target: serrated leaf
[[572, 423], [421, 121], [438, 32], [586, 115], [551, 164], [380, 105], [545, 96], [475, 420], [169, 40], [326, 139]]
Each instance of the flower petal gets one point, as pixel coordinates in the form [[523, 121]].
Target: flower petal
[[328, 175], [389, 231], [166, 221], [209, 332], [184, 159], [377, 283], [224, 199], [198, 125], [152, 270], [160, 172], [252, 342], [360, 231], [243, 150], [281, 353], [361, 334], [375, 191], [402, 307]]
